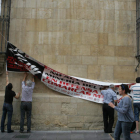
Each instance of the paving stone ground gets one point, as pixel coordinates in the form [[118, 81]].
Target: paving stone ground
[[61, 135]]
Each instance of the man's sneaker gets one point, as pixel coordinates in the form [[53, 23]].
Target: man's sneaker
[[137, 132]]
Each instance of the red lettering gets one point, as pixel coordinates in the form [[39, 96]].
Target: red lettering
[[87, 93], [64, 87]]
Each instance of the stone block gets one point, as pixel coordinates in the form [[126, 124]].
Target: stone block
[[122, 39], [43, 13], [39, 107], [103, 39], [72, 59], [88, 109], [36, 25], [14, 3], [32, 38], [71, 13], [59, 14], [27, 13], [124, 15], [69, 109], [58, 120], [50, 38], [19, 13], [31, 3], [92, 4], [41, 98], [112, 39], [89, 119], [78, 4], [64, 50], [12, 25], [77, 125], [89, 60], [81, 49], [107, 60], [90, 14], [120, 5], [75, 38], [124, 72], [106, 50], [107, 73], [57, 59], [78, 70], [99, 14], [109, 26], [13, 13], [21, 3], [20, 25], [55, 108], [75, 119], [59, 99], [93, 71], [125, 27], [129, 61], [124, 51], [94, 50], [109, 14], [89, 38], [77, 25], [50, 49], [63, 4], [109, 4], [132, 5]]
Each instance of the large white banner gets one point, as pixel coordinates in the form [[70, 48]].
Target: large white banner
[[86, 89]]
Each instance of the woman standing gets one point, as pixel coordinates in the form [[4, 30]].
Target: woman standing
[[125, 114]]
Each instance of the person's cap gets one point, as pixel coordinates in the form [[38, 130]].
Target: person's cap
[[111, 86]]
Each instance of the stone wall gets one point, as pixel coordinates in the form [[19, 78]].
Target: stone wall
[[59, 113], [94, 39]]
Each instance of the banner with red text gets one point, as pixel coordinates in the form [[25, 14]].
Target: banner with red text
[[18, 61]]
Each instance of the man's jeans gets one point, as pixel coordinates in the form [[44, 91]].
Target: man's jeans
[[123, 127], [108, 118], [136, 111], [7, 108], [25, 107]]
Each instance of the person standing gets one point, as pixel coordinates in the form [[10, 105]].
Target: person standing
[[108, 112], [135, 90], [125, 114], [7, 106], [26, 102]]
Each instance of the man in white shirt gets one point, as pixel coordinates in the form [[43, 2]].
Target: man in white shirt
[[135, 90]]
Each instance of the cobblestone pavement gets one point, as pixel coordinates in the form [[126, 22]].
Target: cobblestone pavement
[[61, 135]]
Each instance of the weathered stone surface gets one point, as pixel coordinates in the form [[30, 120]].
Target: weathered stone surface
[[77, 70], [75, 125], [94, 39], [69, 109], [75, 119]]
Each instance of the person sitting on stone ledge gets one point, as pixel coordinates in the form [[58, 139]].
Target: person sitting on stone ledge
[[7, 106], [26, 103]]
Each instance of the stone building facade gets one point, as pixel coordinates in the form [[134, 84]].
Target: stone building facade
[[93, 39]]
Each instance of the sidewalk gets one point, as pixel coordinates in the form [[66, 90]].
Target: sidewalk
[[61, 135]]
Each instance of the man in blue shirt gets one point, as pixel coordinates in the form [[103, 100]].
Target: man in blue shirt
[[108, 112]]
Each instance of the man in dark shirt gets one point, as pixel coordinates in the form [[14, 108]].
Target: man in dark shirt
[[7, 106]]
